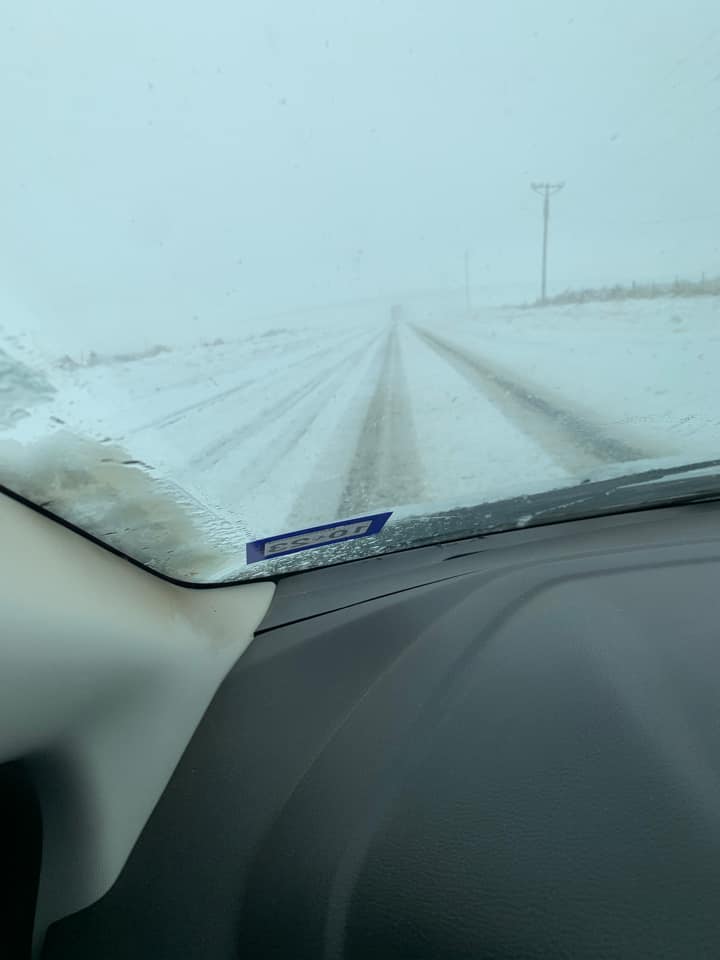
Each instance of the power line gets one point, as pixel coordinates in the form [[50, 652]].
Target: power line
[[546, 190]]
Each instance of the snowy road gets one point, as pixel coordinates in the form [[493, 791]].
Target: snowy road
[[319, 421], [385, 466], [569, 438]]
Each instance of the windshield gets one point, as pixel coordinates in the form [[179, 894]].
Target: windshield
[[278, 278]]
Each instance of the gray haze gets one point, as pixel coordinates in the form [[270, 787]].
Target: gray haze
[[172, 169]]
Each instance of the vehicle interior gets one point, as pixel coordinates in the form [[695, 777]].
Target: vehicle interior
[[499, 747], [360, 480]]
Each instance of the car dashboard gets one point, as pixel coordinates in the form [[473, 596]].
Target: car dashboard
[[503, 747]]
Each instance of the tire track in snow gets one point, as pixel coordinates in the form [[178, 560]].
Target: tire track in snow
[[252, 350], [199, 406], [572, 440], [331, 449], [318, 388], [215, 451], [385, 470]]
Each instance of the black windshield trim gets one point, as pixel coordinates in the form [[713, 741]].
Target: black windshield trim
[[619, 495]]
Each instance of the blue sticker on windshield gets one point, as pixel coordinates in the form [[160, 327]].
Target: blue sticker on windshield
[[283, 544]]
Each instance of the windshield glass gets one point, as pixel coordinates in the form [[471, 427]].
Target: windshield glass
[[277, 276]]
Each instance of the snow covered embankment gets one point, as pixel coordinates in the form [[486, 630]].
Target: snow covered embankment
[[21, 388]]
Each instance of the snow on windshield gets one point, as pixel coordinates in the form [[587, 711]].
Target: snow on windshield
[[276, 268]]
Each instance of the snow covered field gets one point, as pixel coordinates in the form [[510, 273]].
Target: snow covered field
[[314, 419]]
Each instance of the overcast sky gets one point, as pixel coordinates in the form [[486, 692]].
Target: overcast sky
[[174, 168]]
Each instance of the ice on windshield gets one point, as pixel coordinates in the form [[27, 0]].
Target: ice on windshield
[[277, 268]]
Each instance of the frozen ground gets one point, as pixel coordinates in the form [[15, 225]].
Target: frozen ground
[[306, 422]]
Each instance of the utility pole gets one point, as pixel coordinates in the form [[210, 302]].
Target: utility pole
[[467, 283], [545, 190]]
